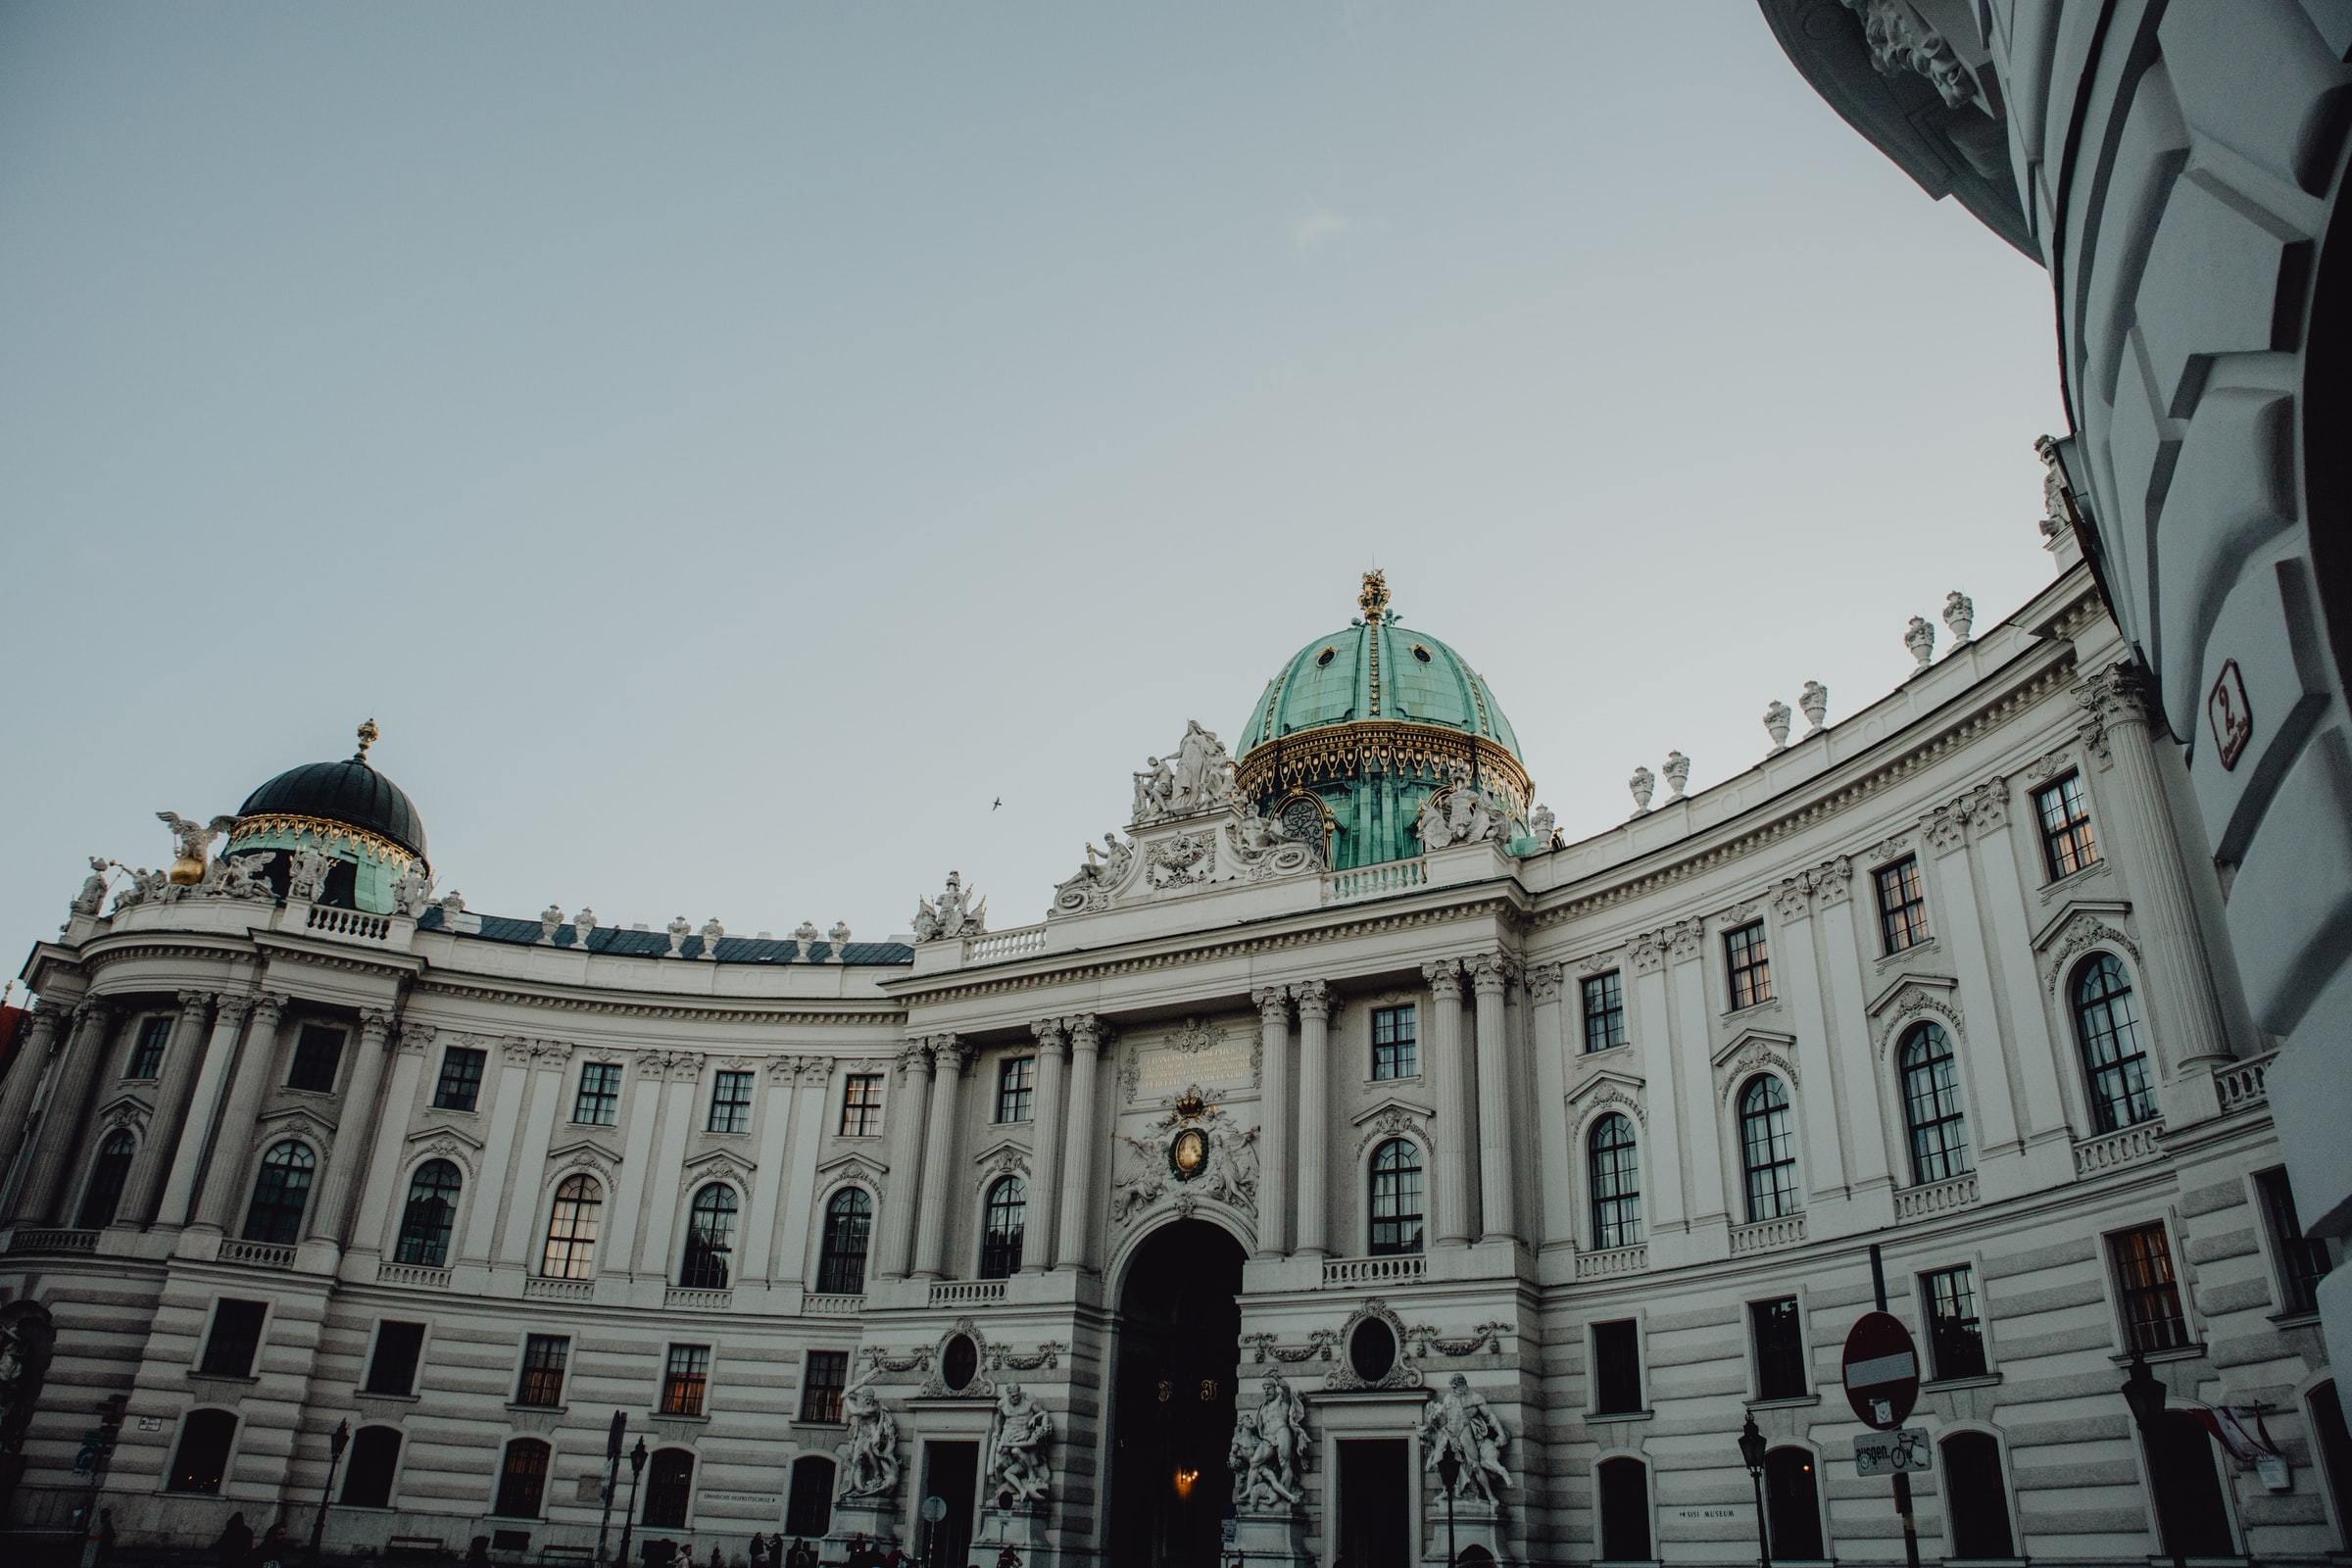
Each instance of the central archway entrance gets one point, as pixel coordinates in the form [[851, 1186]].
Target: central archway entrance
[[1179, 1354]]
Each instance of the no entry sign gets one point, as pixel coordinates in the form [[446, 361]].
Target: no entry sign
[[1882, 1370]]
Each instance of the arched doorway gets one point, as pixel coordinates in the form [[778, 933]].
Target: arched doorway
[[1179, 1354]]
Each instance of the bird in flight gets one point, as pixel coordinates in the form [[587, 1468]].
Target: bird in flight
[[999, 802]]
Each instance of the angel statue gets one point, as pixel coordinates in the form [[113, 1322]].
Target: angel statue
[[1269, 1449], [194, 842], [870, 1456], [1463, 1424], [953, 916], [1017, 1437]]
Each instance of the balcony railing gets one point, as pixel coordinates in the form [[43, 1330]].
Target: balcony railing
[[832, 1305], [1936, 1197], [417, 1274], [1615, 1260], [1767, 1234], [1018, 943], [966, 1292], [1350, 1271], [2133, 1144], [2240, 1084], [538, 1290], [1374, 881], [255, 1254], [698, 1300], [348, 923], [49, 1239]]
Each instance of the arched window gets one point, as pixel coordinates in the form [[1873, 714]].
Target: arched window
[[103, 1194], [669, 1485], [1623, 1510], [1006, 1217], [1793, 1505], [571, 1229], [1615, 1173], [1976, 1500], [710, 1239], [2107, 1028], [1932, 1106], [522, 1480], [841, 1256], [429, 1215], [1396, 1197], [203, 1454], [374, 1456], [1767, 1150], [2192, 1519], [279, 1193], [809, 1507]]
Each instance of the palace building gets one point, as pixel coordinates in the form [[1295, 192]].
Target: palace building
[[1341, 1122]]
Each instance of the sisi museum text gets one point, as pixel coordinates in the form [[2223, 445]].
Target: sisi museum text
[[1349, 1168]]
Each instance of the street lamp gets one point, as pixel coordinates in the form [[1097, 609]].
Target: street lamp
[[628, 1522], [1752, 1454], [336, 1441], [1450, 1470], [2145, 1393]]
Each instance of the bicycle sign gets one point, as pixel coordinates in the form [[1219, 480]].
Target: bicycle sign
[[1887, 1453]]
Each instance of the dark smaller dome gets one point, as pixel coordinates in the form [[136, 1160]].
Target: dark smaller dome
[[349, 792]]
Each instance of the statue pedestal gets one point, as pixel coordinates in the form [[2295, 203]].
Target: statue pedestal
[[874, 1518], [1275, 1540], [1475, 1523], [1023, 1529]]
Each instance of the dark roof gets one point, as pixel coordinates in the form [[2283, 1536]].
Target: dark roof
[[656, 943], [349, 792]]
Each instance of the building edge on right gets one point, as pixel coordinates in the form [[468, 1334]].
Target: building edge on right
[[2176, 170]]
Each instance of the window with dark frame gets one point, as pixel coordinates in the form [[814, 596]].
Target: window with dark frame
[[544, 1358], [429, 1218], [2152, 1295], [1624, 1509], [1932, 1106], [1396, 1042], [234, 1340], [731, 1103], [820, 1390], [1613, 1170], [110, 1173], [1902, 905], [598, 1103], [2067, 846], [368, 1474], [459, 1086], [1767, 1150], [392, 1368], [281, 1191], [317, 1055], [2107, 1032], [572, 1227], [685, 1379], [1004, 1217], [860, 1104], [849, 1232], [1749, 961], [2303, 1260], [1955, 1333], [522, 1480], [147, 1053], [1616, 1368], [669, 1487], [202, 1457], [1016, 1088], [809, 1506], [1604, 1010], [710, 1239], [1779, 1349], [1396, 1198]]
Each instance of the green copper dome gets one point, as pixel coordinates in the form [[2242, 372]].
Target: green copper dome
[[1363, 725]]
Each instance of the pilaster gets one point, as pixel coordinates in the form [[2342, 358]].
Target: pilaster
[[1490, 974], [257, 1063], [142, 1189], [1314, 1117], [1449, 1200], [1274, 1122], [1044, 1154]]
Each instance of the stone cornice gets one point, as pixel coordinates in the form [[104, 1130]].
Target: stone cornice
[[751, 1010]]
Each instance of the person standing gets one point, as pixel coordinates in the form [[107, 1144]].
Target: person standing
[[235, 1542]]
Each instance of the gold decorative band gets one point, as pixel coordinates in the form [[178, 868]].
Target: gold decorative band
[[1334, 752], [372, 846]]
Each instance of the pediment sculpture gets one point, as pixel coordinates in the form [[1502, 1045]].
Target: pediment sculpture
[[1197, 777], [1461, 812], [955, 915]]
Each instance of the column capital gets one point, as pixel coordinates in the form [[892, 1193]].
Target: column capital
[[1986, 806], [2114, 698], [268, 1007], [1445, 977], [1947, 829], [1052, 1034], [1087, 1034], [1273, 1003], [194, 1003], [1544, 982], [558, 1053], [1315, 1000], [232, 1007], [1684, 938], [415, 1038], [1489, 972], [815, 1071], [1832, 882], [1648, 952], [1792, 900], [94, 1011], [914, 1057], [376, 1024], [950, 1054]]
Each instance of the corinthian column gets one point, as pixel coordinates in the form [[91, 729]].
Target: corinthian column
[[1044, 1156], [46, 1173], [1452, 1198], [950, 1056], [1274, 1122], [24, 1081], [1078, 1168], [140, 1189], [353, 1129], [391, 1132], [217, 1202], [908, 1103], [1490, 975], [2187, 1021], [1559, 1220], [1314, 1117]]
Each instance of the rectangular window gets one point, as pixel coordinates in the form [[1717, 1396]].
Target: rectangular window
[[1016, 1094], [2151, 1297], [459, 1086], [862, 1104], [1902, 905], [544, 1358], [236, 1339], [2303, 1260], [1604, 1010], [1751, 965], [393, 1367], [2066, 842], [1955, 1334], [821, 1392], [598, 1103], [1616, 1368], [1396, 1044], [317, 1053], [1780, 1348], [685, 1380], [731, 1103], [147, 1054]]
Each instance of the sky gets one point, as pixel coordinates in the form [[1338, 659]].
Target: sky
[[730, 450]]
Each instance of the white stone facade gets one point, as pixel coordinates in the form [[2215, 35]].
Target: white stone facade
[[1205, 1048]]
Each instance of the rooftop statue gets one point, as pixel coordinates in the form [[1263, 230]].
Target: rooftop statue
[[1460, 812], [92, 895], [953, 916], [306, 874], [241, 877], [1197, 777], [192, 842], [412, 892]]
